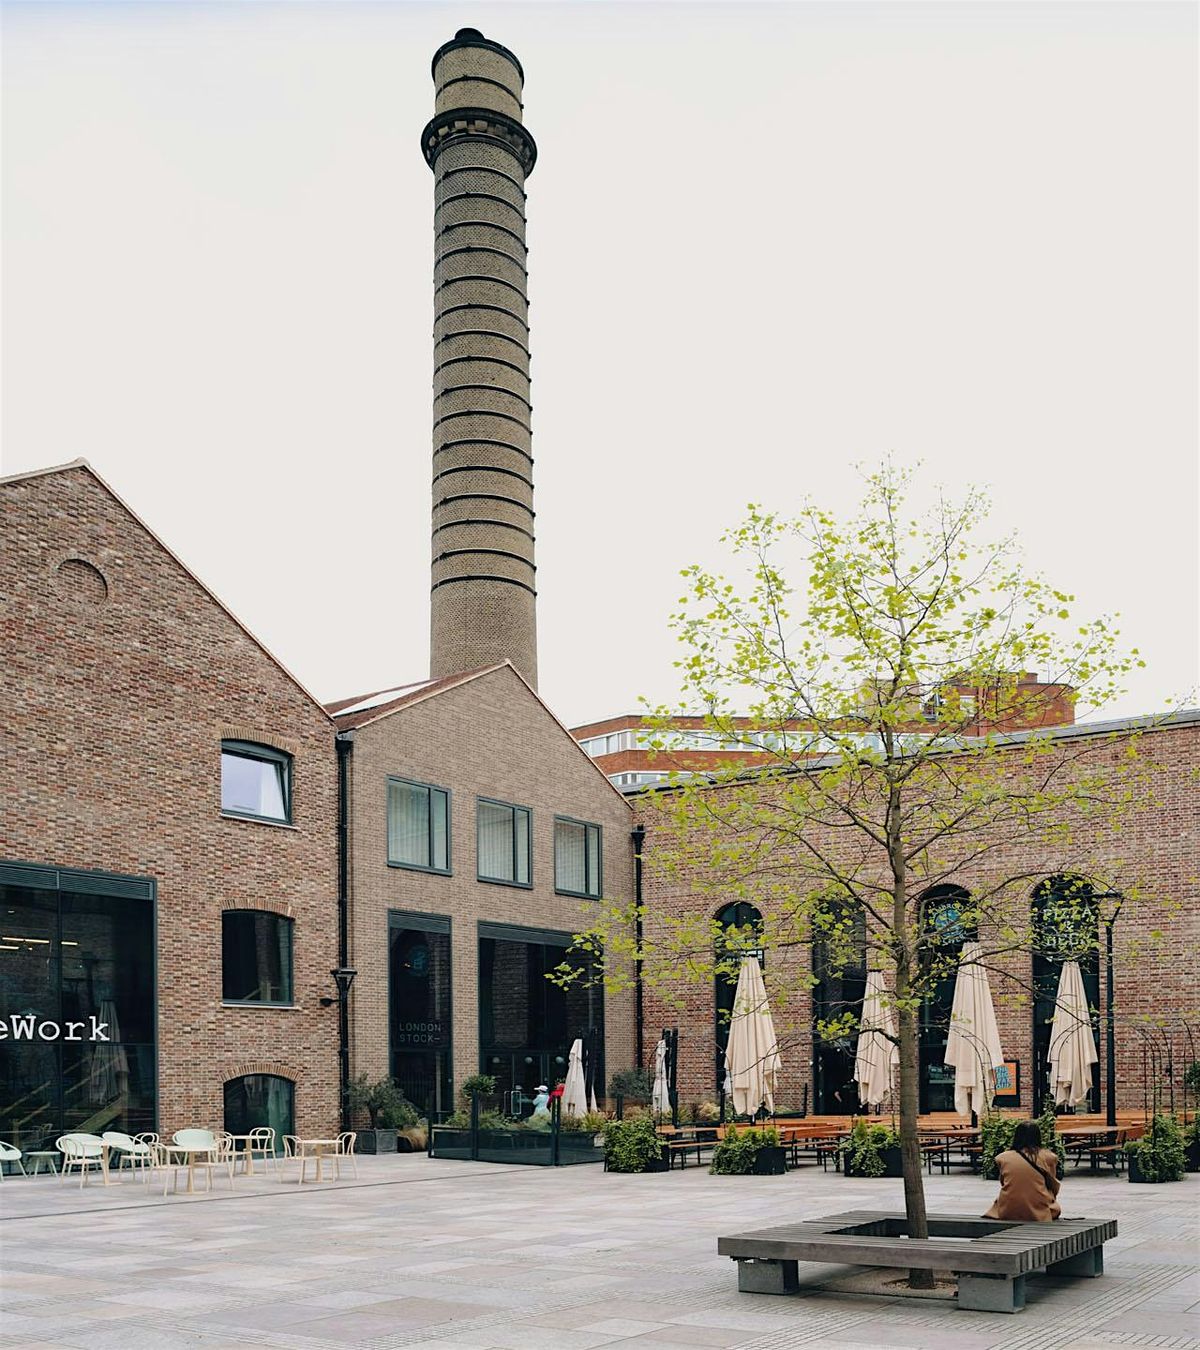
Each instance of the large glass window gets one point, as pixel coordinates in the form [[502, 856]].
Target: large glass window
[[577, 863], [77, 975], [526, 1022], [839, 954], [261, 1099], [256, 957], [418, 826], [1064, 929], [419, 1008], [741, 931], [256, 781], [503, 834], [948, 922]]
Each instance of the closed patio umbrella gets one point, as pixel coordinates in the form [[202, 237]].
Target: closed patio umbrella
[[973, 1044], [1072, 1045], [876, 1055], [660, 1096], [752, 1055], [574, 1098]]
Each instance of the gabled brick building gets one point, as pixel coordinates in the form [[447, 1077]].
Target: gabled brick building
[[167, 840]]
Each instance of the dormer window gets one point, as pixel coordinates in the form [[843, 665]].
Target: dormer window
[[256, 782]]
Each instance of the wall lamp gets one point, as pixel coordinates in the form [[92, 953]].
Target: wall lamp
[[343, 977]]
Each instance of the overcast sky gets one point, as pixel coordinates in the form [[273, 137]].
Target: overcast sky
[[766, 242]]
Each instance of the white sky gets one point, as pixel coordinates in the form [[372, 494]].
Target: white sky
[[766, 242]]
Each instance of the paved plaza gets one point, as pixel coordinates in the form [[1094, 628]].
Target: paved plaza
[[422, 1253]]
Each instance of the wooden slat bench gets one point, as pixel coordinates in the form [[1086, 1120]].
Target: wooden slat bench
[[991, 1267]]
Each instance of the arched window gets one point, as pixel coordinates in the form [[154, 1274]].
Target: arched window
[[839, 960], [948, 923], [258, 1099], [1065, 928], [741, 930], [256, 957]]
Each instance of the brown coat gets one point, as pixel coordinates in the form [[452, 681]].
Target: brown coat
[[1026, 1196]]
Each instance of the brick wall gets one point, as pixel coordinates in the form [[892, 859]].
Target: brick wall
[[121, 676], [488, 737], [1152, 857]]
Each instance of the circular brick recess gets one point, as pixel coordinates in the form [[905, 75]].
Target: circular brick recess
[[81, 581]]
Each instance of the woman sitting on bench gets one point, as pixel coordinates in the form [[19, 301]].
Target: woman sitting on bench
[[1028, 1179]]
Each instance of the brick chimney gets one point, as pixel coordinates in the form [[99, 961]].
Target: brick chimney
[[483, 601]]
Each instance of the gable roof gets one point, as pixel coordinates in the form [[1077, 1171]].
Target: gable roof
[[82, 466], [350, 714]]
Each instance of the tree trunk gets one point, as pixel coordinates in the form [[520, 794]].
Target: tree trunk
[[910, 1057]]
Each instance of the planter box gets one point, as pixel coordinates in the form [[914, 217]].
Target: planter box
[[893, 1166], [376, 1141], [770, 1161], [1137, 1175]]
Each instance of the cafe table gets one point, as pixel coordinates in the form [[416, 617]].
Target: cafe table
[[189, 1153], [314, 1148], [245, 1152]]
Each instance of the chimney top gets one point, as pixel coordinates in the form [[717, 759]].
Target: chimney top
[[472, 37]]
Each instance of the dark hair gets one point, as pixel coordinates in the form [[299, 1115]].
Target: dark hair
[[1027, 1138]]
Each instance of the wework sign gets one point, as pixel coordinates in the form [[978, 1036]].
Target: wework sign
[[27, 1027]]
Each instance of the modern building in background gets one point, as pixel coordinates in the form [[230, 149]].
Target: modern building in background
[[635, 755]]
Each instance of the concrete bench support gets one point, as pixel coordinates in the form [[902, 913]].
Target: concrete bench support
[[768, 1277], [1085, 1265], [991, 1293]]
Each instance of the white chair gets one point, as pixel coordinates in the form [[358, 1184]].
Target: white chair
[[261, 1144], [138, 1153], [80, 1151], [347, 1141], [195, 1142], [222, 1155], [12, 1155]]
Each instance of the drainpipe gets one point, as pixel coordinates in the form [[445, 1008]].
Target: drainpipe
[[344, 743], [638, 836]]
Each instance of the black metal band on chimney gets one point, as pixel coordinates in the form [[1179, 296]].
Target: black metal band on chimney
[[483, 582]]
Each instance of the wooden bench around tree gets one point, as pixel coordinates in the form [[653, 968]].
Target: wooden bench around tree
[[990, 1264]]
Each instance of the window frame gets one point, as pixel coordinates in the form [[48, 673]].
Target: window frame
[[598, 894], [431, 788], [262, 754], [290, 1001], [514, 807]]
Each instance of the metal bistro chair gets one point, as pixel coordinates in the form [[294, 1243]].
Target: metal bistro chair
[[196, 1142], [347, 1141], [80, 1151], [261, 1144], [138, 1152]]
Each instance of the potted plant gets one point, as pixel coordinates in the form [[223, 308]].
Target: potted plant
[[871, 1151], [751, 1152], [1159, 1154], [386, 1109], [633, 1146]]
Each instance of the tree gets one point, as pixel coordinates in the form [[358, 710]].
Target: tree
[[884, 704]]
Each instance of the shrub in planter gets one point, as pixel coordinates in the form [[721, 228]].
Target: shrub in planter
[[633, 1146], [387, 1110], [1159, 1154], [1191, 1145], [708, 1113], [483, 1084], [632, 1084], [740, 1152], [871, 1151], [996, 1136]]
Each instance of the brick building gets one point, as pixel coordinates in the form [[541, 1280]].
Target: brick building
[[167, 843], [481, 839], [1152, 863], [635, 755]]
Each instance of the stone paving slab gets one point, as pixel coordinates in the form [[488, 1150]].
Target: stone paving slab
[[435, 1255]]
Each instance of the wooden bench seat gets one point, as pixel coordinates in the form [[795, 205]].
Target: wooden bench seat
[[990, 1267]]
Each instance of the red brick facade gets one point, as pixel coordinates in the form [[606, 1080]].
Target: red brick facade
[[122, 675], [1153, 859]]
